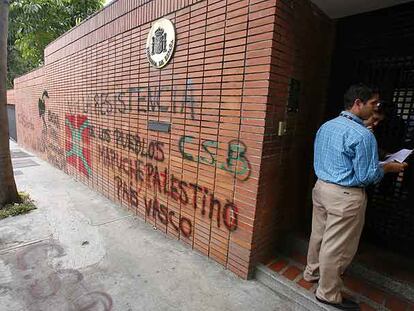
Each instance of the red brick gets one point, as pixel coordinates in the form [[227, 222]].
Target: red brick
[[278, 265], [396, 304], [305, 284], [365, 307], [292, 272], [376, 295], [355, 284]]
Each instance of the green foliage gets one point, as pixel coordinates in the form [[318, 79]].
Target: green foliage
[[15, 209], [33, 24]]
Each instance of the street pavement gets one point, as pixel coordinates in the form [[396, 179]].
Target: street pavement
[[80, 251]]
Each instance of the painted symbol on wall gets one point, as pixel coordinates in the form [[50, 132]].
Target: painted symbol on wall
[[160, 43], [77, 143], [235, 163], [41, 105]]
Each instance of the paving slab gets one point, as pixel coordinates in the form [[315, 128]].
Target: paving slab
[[80, 251]]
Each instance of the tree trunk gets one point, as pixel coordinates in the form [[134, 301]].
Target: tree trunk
[[8, 190]]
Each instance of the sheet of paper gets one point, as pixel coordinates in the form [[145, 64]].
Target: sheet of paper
[[399, 156]]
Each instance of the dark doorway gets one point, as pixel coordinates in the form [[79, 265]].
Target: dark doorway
[[11, 114], [377, 48]]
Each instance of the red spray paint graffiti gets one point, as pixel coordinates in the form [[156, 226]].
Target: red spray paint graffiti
[[77, 143]]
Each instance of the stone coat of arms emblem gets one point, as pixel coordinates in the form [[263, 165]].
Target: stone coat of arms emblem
[[160, 43]]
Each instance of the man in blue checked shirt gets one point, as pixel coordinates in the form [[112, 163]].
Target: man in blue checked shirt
[[345, 162]]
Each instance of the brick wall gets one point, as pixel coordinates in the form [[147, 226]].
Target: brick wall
[[10, 97], [28, 89], [302, 45], [200, 182]]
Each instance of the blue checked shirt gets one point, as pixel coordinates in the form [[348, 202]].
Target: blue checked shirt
[[346, 153]]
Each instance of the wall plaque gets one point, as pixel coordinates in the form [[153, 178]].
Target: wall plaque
[[294, 95], [159, 126], [160, 43]]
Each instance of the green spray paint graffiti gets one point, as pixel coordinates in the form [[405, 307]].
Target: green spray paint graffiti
[[236, 161]]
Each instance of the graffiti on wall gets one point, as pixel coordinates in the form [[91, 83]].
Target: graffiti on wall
[[136, 159], [164, 98], [165, 183], [77, 147], [101, 133], [236, 161], [161, 181], [158, 210], [25, 121], [49, 141], [41, 105], [151, 149], [54, 151], [143, 148]]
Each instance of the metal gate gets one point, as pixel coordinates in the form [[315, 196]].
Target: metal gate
[[11, 114], [390, 213], [377, 48]]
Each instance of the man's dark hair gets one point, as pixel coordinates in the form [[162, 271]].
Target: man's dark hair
[[358, 91]]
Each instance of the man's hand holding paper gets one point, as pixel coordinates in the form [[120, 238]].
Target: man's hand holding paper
[[399, 156]]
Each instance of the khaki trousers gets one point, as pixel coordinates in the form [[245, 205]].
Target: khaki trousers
[[337, 222]]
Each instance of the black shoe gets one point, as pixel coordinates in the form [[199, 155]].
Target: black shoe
[[346, 304]]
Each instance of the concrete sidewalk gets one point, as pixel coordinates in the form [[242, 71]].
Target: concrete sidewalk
[[79, 251]]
